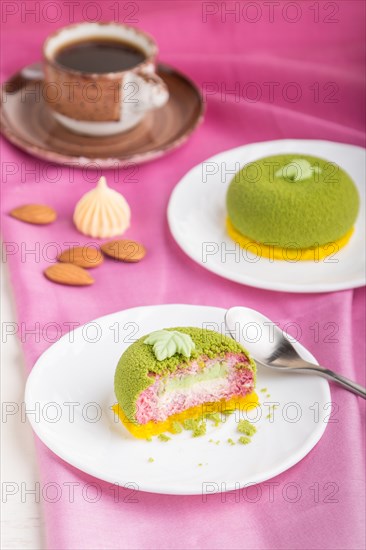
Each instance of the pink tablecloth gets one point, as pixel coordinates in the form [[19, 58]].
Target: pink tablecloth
[[303, 62]]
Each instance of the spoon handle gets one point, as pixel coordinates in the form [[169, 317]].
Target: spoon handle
[[342, 381]]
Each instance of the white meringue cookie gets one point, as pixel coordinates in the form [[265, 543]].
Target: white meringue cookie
[[102, 212]]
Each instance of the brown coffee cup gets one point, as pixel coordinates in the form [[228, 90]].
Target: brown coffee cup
[[100, 104]]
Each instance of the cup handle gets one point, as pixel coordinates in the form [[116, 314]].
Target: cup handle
[[33, 72], [154, 92]]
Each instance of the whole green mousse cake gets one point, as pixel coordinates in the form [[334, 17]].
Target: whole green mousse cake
[[172, 370], [292, 200]]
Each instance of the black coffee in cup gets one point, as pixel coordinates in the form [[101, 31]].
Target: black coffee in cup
[[99, 55]]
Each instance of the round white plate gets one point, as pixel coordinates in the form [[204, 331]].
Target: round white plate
[[71, 386], [197, 213]]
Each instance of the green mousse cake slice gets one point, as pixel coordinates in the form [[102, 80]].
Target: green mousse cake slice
[[171, 371]]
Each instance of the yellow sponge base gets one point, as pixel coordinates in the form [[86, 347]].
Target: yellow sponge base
[[144, 431], [315, 253]]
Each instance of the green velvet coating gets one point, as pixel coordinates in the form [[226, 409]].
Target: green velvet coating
[[301, 214], [138, 365]]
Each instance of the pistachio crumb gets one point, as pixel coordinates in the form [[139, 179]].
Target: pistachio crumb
[[176, 428], [189, 423], [163, 437], [227, 412], [246, 428], [200, 429], [244, 440], [214, 417]]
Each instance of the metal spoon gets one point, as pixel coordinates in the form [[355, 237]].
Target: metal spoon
[[271, 348]]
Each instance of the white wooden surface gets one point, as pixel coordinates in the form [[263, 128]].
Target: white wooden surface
[[21, 519]]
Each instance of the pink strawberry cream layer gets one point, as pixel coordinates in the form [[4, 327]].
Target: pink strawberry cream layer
[[203, 381]]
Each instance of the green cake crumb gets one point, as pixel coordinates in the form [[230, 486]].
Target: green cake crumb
[[211, 441], [149, 439], [268, 416], [230, 441], [151, 459], [246, 428], [268, 396], [244, 440], [189, 423], [164, 437], [200, 429], [215, 417], [264, 390], [195, 425], [200, 464], [176, 428], [218, 442], [227, 412]]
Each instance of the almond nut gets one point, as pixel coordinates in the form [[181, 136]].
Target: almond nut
[[39, 214], [68, 274], [83, 256], [124, 250]]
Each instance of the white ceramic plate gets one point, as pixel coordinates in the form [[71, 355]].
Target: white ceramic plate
[[77, 370], [197, 212]]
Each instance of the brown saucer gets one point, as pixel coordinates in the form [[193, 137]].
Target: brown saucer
[[27, 122]]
